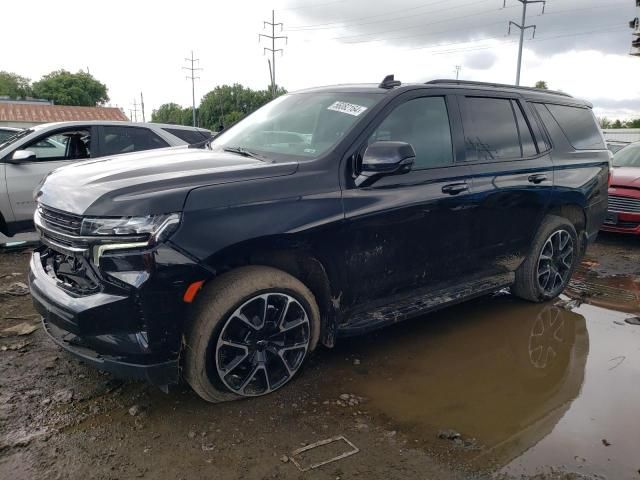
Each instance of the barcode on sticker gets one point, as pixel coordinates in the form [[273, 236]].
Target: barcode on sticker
[[346, 107]]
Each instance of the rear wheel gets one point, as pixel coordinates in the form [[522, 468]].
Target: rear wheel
[[548, 268], [252, 330]]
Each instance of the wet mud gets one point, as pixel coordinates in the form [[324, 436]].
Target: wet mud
[[494, 388]]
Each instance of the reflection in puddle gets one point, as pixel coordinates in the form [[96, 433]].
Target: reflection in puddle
[[503, 373], [619, 292]]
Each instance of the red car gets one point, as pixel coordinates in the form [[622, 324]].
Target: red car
[[623, 215]]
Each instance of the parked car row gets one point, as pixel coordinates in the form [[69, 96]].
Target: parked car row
[[327, 213], [27, 156]]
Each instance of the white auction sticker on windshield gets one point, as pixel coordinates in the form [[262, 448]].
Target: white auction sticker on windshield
[[346, 107]]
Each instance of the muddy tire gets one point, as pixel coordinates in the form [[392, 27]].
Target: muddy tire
[[251, 331], [552, 259]]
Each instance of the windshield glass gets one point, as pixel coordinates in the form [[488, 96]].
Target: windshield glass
[[303, 124], [15, 137], [627, 157]]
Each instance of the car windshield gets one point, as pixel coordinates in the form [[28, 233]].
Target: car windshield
[[302, 124], [15, 137], [627, 157]]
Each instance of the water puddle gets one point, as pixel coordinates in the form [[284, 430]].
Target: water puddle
[[526, 387]]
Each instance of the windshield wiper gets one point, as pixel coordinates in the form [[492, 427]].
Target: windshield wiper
[[245, 153]]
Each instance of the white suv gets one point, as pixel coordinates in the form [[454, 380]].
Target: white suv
[[29, 155]]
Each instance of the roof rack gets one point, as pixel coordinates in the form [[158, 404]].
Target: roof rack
[[497, 85], [388, 82]]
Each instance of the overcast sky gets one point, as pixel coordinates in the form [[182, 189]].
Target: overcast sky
[[580, 46]]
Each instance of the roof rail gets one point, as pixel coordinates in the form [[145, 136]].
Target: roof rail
[[498, 85]]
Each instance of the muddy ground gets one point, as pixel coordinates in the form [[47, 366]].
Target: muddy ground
[[516, 391]]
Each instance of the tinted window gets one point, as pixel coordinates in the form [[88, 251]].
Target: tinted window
[[118, 140], [526, 138], [424, 123], [490, 129], [67, 145], [5, 134], [579, 125], [189, 136]]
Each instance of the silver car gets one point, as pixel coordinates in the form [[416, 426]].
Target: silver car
[[29, 155]]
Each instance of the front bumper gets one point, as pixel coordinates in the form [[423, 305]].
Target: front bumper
[[133, 332], [626, 223]]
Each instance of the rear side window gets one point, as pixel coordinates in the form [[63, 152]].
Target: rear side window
[[579, 126], [189, 136], [118, 140], [526, 138], [490, 129]]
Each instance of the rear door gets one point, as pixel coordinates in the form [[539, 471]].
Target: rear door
[[53, 150], [512, 179], [410, 231]]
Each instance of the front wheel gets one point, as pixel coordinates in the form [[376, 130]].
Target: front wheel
[[251, 332], [553, 257]]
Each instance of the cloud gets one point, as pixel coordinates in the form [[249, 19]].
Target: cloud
[[480, 61]]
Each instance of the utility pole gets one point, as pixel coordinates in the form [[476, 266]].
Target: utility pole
[[193, 69], [522, 27], [273, 48], [635, 42], [142, 106], [458, 68], [134, 110]]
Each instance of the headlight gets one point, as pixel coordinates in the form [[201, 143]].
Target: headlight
[[154, 226]]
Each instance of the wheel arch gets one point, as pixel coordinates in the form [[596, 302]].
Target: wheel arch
[[577, 216], [297, 259]]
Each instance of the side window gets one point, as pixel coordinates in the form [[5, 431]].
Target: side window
[[189, 136], [490, 129], [118, 140], [66, 145], [579, 126], [526, 138], [424, 123]]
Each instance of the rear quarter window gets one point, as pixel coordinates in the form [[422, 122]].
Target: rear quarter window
[[578, 125], [189, 136]]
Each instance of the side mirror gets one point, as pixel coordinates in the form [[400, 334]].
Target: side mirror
[[385, 158], [22, 156]]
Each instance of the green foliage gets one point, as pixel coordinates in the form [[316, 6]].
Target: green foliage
[[633, 123], [66, 88], [170, 113], [226, 104], [604, 122], [542, 85], [14, 86], [617, 124]]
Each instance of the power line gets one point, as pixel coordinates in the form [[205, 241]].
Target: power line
[[133, 112], [522, 27], [273, 49], [313, 5], [192, 76]]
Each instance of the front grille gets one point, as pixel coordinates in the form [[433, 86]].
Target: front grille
[[58, 221], [624, 204]]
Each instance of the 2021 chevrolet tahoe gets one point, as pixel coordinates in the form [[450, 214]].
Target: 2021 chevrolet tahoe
[[328, 212]]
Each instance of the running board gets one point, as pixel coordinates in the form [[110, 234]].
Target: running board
[[420, 302]]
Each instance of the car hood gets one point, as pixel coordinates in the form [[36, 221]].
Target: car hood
[[625, 177], [143, 183]]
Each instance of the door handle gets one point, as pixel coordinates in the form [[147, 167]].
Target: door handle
[[455, 188], [537, 178]]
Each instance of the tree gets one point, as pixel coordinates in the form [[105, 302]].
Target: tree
[[604, 122], [226, 104], [633, 123], [14, 86], [617, 124], [170, 113], [66, 88], [542, 85]]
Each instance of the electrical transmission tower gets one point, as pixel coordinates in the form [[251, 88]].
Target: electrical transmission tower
[[522, 27], [457, 70], [133, 112], [635, 42], [273, 48], [192, 76]]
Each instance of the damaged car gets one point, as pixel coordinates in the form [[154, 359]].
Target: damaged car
[[328, 212]]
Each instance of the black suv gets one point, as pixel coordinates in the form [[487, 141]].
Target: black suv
[[328, 212]]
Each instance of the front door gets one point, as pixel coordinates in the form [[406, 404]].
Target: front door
[[412, 230], [52, 150]]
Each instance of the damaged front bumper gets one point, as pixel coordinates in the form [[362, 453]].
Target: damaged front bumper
[[127, 318]]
